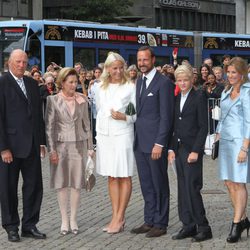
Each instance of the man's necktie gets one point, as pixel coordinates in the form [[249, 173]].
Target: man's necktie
[[143, 87], [21, 85]]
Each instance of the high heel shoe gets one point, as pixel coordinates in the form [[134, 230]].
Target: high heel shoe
[[64, 232], [245, 224], [118, 229], [75, 231], [235, 233]]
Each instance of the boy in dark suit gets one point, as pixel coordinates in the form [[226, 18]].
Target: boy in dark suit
[[187, 146]]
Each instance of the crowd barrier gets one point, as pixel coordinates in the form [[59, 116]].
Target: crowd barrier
[[213, 114]]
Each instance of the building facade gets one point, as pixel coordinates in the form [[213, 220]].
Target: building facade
[[21, 9]]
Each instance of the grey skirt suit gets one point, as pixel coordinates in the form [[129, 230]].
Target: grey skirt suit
[[69, 136], [234, 127]]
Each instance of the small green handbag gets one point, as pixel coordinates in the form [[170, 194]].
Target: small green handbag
[[130, 110]]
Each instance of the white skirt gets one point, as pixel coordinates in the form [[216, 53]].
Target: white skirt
[[115, 155]]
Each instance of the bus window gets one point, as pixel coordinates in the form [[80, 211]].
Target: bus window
[[85, 56], [103, 53], [54, 54], [33, 50], [161, 60], [132, 59]]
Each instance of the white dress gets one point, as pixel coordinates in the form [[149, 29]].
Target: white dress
[[115, 138]]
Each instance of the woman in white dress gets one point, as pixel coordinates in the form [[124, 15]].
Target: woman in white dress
[[115, 136]]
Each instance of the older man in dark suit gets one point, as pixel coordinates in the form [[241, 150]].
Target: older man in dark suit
[[21, 139], [154, 102], [187, 144]]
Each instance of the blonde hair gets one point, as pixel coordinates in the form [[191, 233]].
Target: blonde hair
[[184, 69], [241, 67], [63, 74], [105, 77], [217, 68]]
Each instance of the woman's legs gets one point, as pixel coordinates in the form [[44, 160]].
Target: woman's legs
[[113, 184], [74, 204], [238, 195], [63, 197], [124, 193], [120, 192]]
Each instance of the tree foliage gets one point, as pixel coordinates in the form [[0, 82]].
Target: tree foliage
[[103, 11]]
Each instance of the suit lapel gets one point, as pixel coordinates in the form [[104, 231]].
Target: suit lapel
[[138, 90], [189, 99], [17, 88], [148, 90]]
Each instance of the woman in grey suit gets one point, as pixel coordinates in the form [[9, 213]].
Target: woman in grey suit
[[69, 142], [234, 133]]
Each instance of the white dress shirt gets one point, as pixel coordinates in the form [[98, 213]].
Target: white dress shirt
[[183, 99]]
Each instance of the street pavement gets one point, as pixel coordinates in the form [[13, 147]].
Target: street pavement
[[95, 212]]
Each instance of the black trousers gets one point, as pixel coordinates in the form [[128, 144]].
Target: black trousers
[[32, 192], [190, 204]]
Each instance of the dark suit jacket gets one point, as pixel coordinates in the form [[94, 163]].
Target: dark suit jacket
[[191, 125], [21, 122], [154, 114]]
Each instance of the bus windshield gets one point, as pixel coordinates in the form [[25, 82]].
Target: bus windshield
[[10, 38]]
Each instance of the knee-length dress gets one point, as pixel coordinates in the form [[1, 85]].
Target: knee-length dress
[[115, 138], [234, 127]]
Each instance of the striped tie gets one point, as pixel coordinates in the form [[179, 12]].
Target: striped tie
[[21, 85]]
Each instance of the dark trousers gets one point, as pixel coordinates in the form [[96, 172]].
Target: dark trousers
[[32, 191], [190, 204], [155, 188]]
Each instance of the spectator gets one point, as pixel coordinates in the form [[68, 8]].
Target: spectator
[[133, 73]]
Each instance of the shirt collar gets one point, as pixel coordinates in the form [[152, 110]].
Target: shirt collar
[[186, 95], [16, 78], [150, 75]]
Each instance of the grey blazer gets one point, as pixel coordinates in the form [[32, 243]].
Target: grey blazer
[[61, 126]]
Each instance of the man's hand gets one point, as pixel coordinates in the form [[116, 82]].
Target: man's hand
[[42, 151], [171, 157], [193, 157], [6, 156], [54, 158], [156, 152]]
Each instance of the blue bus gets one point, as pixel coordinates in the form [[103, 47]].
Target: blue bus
[[67, 42]]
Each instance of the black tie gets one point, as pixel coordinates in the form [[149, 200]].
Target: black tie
[[143, 87]]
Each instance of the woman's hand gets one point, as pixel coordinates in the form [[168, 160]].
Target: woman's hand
[[91, 153], [116, 115], [54, 158], [217, 137], [242, 156]]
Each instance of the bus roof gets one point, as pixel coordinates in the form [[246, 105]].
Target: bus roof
[[73, 23]]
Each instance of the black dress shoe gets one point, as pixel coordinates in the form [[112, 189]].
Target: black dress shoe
[[235, 232], [182, 234], [33, 233], [142, 229], [13, 236], [155, 232], [201, 236]]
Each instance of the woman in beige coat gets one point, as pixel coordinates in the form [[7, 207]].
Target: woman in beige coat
[[69, 143]]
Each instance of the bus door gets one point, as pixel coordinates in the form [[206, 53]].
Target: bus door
[[59, 52]]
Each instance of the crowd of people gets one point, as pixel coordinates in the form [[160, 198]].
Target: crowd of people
[[140, 115]]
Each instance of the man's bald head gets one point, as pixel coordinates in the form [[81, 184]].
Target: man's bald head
[[18, 61]]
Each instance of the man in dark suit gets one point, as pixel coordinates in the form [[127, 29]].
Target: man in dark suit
[[21, 139], [154, 102], [187, 144]]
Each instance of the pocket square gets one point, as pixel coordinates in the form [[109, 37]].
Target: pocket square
[[150, 94]]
